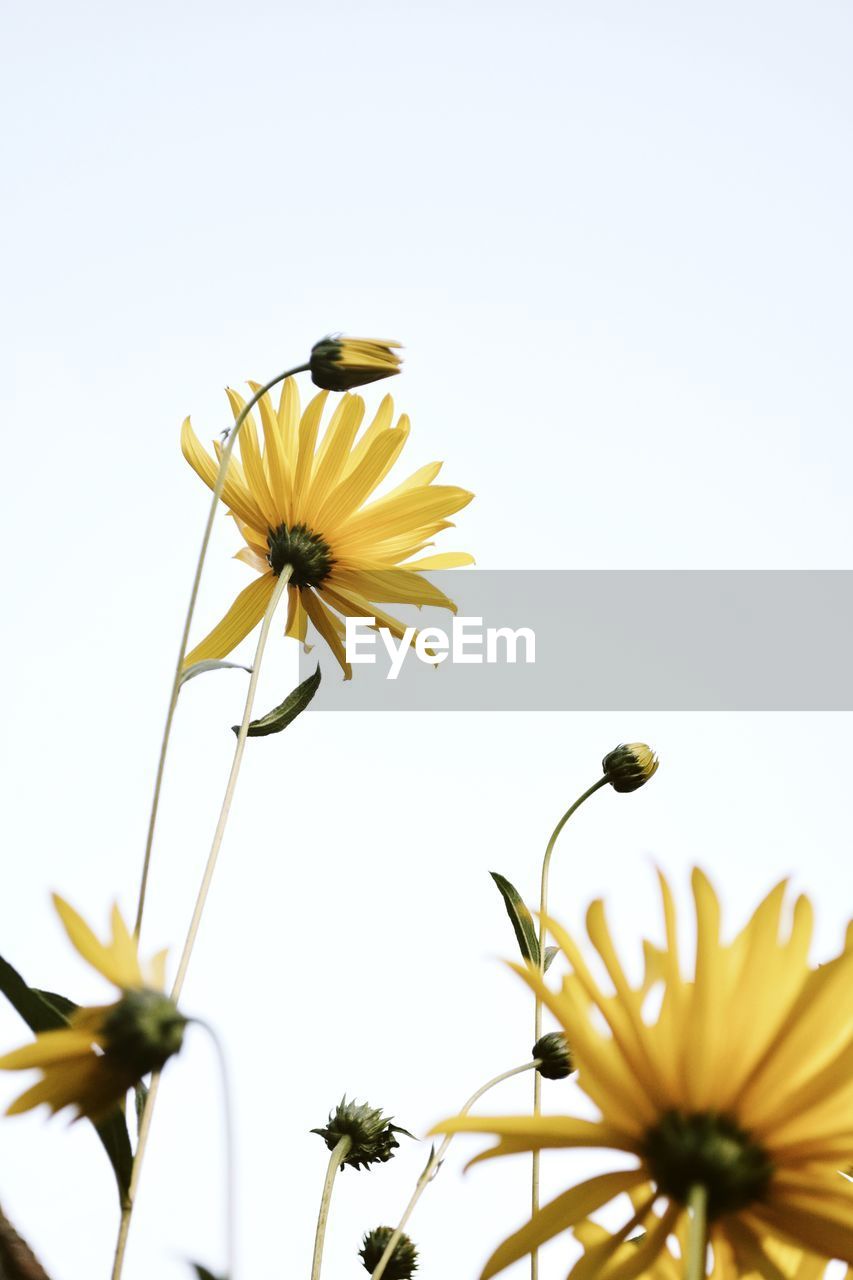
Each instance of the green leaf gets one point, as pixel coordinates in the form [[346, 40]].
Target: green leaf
[[520, 918], [210, 664], [550, 952], [286, 712], [48, 1011], [202, 1273]]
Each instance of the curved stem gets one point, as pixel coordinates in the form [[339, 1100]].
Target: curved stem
[[230, 1149], [697, 1243], [537, 1019], [179, 666], [335, 1161], [192, 933], [434, 1164]]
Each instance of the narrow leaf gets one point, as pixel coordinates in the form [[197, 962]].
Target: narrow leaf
[[286, 712], [550, 952], [210, 664], [48, 1011], [520, 918], [202, 1273]]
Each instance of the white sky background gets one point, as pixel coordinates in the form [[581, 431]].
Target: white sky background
[[615, 240]]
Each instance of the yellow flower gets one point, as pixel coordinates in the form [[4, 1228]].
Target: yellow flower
[[791, 1263], [303, 505], [742, 1082], [339, 364], [106, 1049]]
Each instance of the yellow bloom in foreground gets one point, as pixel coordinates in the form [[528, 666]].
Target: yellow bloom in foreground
[[743, 1082], [302, 504], [107, 1049], [792, 1263]]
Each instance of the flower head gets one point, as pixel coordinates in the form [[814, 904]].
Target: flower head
[[107, 1049], [339, 364], [371, 1134], [403, 1262], [303, 506], [741, 1081], [629, 766]]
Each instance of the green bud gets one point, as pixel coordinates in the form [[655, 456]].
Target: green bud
[[371, 1133], [555, 1056], [403, 1261], [143, 1030]]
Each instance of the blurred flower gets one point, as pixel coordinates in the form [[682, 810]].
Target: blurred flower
[[106, 1049], [303, 505], [371, 1134], [741, 1083], [403, 1262], [629, 765], [339, 364]]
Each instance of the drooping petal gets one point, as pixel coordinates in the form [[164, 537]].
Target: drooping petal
[[243, 616]]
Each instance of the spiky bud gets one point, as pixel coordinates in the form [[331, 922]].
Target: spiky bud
[[403, 1262], [371, 1134]]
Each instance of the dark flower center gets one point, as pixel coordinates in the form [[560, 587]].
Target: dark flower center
[[306, 552], [708, 1149]]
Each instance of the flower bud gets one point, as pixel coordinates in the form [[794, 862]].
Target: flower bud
[[371, 1133], [403, 1261], [339, 364], [629, 765], [555, 1056], [143, 1030]]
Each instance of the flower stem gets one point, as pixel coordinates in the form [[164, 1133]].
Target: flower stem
[[434, 1164], [335, 1161], [192, 933], [230, 1149], [697, 1243], [537, 1019], [176, 680]]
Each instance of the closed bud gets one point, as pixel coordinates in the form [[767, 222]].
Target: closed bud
[[555, 1056], [371, 1134], [629, 766], [403, 1262], [339, 364]]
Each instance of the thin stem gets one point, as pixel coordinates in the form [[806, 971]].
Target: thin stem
[[537, 1019], [434, 1163], [204, 889], [335, 1161], [697, 1241], [179, 666], [230, 1149]]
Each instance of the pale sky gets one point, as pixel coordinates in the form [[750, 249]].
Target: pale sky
[[614, 239]]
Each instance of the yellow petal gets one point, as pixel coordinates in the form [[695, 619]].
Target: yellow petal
[[234, 494], [562, 1213], [325, 625], [48, 1047], [243, 616], [113, 966]]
